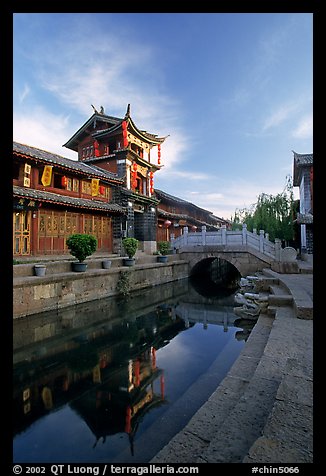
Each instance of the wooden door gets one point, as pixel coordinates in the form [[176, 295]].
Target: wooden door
[[22, 233]]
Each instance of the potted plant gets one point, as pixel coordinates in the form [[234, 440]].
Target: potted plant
[[39, 269], [106, 263], [130, 245], [81, 246], [163, 248]]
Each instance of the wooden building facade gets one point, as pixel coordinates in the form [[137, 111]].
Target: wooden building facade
[[54, 197]]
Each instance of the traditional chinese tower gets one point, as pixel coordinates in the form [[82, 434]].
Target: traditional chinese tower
[[117, 145]]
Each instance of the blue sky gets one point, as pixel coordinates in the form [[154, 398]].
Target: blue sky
[[232, 90]]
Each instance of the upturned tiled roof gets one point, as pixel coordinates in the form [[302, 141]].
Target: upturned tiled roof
[[74, 165], [299, 162], [160, 194], [65, 200], [303, 159]]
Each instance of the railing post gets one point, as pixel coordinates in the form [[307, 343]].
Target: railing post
[[223, 229], [203, 235], [185, 234], [244, 234], [254, 230], [261, 241], [278, 246], [267, 236]]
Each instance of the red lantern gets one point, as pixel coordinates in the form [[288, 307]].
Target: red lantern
[[134, 183], [159, 153], [101, 189], [64, 181], [151, 175], [151, 190], [134, 166], [167, 223]]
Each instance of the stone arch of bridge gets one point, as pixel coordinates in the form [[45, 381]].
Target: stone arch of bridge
[[205, 259]]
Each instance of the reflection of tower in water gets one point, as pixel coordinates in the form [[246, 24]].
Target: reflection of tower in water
[[124, 398]]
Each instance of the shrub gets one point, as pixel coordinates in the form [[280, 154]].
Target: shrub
[[163, 247], [81, 245], [130, 245]]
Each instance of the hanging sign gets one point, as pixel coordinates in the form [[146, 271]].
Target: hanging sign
[[25, 204], [96, 148], [94, 187], [27, 169], [124, 134], [142, 170], [47, 175]]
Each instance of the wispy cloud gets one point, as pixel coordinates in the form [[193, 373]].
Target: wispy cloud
[[231, 195], [49, 133], [185, 175], [109, 75], [304, 129], [25, 92], [279, 116]]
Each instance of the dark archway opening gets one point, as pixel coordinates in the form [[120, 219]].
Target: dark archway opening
[[214, 277]]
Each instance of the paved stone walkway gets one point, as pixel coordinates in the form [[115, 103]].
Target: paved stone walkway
[[262, 410]]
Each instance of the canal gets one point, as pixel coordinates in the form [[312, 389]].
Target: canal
[[114, 380]]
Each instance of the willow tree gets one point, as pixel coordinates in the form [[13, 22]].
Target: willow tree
[[271, 213]]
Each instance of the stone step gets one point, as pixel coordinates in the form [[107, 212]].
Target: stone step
[[244, 423], [280, 299], [287, 436], [278, 290]]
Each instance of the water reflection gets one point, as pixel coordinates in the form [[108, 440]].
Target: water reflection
[[121, 367]]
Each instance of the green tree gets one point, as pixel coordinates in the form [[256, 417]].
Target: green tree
[[271, 213]]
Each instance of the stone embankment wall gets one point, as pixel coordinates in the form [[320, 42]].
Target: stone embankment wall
[[33, 294]]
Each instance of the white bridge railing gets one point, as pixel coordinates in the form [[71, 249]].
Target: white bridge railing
[[223, 237]]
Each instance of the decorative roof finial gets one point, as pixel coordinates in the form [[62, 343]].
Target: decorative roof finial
[[101, 110], [128, 111], [95, 110]]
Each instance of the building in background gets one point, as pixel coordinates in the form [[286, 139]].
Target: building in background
[[303, 178], [174, 214]]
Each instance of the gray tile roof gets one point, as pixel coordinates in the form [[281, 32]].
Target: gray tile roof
[[189, 218], [299, 162], [167, 196], [303, 159], [65, 200], [160, 194], [74, 165]]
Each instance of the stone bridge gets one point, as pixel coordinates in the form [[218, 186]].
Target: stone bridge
[[247, 251]]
